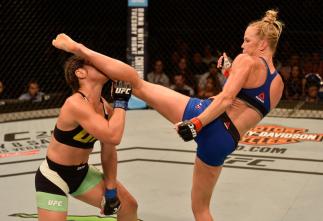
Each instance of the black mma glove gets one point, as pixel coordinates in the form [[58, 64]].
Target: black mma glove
[[110, 202], [188, 129], [121, 93]]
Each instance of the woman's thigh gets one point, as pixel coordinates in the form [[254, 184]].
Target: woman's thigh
[[94, 196], [47, 215], [204, 180], [166, 101]]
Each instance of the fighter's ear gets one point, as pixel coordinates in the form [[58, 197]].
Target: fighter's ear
[[81, 73], [263, 44]]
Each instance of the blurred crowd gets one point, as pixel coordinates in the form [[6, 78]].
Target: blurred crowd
[[195, 73]]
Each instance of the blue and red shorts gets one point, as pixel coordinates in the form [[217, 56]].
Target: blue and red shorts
[[216, 140]]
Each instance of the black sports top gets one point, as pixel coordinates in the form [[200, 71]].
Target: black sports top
[[77, 137]]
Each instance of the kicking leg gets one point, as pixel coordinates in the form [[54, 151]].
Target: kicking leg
[[166, 101], [204, 180], [112, 68]]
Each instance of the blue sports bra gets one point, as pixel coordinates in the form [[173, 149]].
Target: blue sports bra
[[77, 137], [259, 97]]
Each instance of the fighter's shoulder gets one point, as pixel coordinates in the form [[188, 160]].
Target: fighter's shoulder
[[70, 109], [74, 99], [245, 59], [74, 103], [279, 79]]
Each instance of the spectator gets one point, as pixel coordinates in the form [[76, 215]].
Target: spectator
[[212, 88], [171, 63], [294, 89], [181, 86], [3, 94], [312, 79], [182, 68], [294, 60], [213, 71], [307, 64], [158, 76], [197, 66], [33, 93], [312, 94], [285, 76]]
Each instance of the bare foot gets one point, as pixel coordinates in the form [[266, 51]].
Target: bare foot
[[65, 43]]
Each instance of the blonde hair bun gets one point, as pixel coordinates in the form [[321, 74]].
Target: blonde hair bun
[[270, 16]]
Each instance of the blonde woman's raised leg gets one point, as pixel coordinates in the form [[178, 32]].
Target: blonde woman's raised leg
[[166, 101]]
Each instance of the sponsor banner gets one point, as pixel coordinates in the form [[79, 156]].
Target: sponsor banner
[[23, 153], [276, 135], [24, 142], [137, 42], [137, 39], [277, 164], [27, 138]]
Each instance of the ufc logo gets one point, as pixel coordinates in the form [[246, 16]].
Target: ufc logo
[[193, 131], [123, 90], [55, 203]]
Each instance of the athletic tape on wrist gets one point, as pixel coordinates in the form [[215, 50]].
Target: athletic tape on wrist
[[110, 193], [120, 104], [226, 73], [197, 123]]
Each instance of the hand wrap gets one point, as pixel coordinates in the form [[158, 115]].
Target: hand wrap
[[226, 67]]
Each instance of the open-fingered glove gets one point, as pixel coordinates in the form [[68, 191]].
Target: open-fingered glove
[[121, 93]]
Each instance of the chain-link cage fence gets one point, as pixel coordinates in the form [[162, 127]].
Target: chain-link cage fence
[[29, 60], [179, 32]]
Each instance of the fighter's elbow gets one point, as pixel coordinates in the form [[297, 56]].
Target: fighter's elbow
[[113, 140], [227, 99]]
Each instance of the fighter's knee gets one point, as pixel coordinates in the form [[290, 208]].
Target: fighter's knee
[[130, 206], [202, 214], [134, 204], [199, 209]]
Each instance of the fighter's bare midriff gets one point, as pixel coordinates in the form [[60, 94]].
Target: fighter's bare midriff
[[243, 116]]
